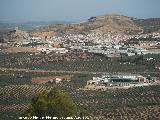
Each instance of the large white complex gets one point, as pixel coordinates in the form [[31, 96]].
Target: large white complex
[[118, 81]]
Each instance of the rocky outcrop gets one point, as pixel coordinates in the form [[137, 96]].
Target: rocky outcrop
[[15, 35]]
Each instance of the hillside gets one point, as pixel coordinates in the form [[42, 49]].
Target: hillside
[[106, 23], [149, 25], [116, 24]]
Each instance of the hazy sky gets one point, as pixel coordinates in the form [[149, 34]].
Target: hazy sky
[[75, 10]]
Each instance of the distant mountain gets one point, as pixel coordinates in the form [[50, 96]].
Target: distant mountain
[[31, 25]]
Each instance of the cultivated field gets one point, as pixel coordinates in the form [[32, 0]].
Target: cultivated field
[[17, 88]]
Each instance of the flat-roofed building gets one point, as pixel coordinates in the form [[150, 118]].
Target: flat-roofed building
[[117, 81]]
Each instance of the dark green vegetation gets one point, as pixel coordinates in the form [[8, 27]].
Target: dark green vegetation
[[53, 103]]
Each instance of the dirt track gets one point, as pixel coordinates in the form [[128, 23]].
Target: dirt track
[[19, 49], [62, 71]]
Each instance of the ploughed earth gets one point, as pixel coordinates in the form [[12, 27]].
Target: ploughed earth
[[42, 80]]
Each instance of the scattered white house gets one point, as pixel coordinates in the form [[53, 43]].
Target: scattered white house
[[51, 49], [58, 80]]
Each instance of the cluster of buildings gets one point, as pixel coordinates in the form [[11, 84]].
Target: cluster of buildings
[[118, 81], [109, 44], [112, 50], [150, 35]]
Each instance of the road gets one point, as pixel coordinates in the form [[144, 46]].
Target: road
[[62, 71]]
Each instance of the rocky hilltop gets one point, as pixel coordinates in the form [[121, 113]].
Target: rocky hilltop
[[116, 24], [14, 35]]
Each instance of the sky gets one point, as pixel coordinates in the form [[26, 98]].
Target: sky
[[75, 10]]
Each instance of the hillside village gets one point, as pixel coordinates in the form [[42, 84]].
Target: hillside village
[[108, 38], [75, 44], [108, 44]]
